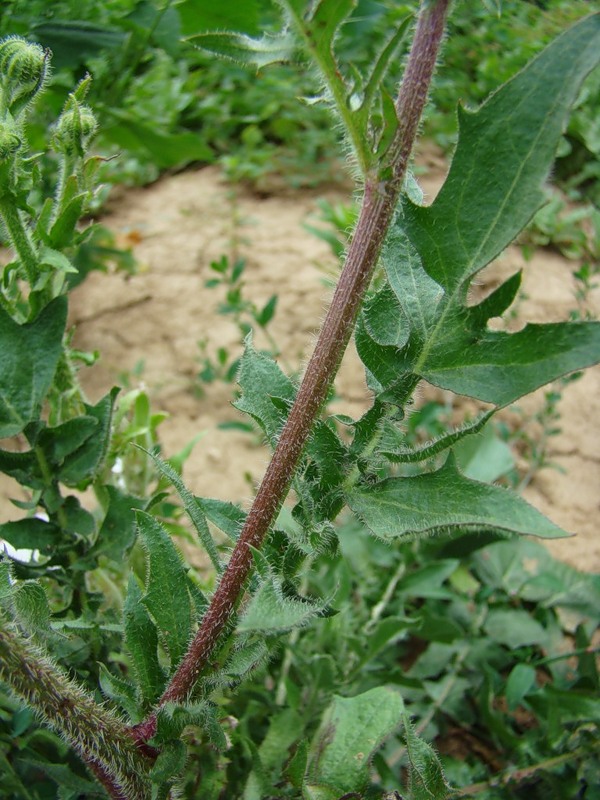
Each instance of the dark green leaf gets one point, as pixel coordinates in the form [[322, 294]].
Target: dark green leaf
[[73, 41], [270, 612], [514, 628], [121, 691], [142, 642], [198, 16], [29, 355], [30, 534], [117, 532], [228, 517], [352, 730], [520, 681], [444, 501], [384, 319], [166, 597], [82, 465], [394, 449]]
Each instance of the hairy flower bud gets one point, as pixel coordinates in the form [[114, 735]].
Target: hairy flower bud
[[74, 129], [23, 68]]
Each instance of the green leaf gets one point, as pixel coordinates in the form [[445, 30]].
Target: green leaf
[[394, 449], [30, 534], [198, 15], [29, 356], [261, 379], [166, 597], [246, 50], [141, 640], [520, 681], [192, 507], [485, 457], [82, 465], [166, 148], [31, 607], [384, 319], [270, 612], [443, 502], [73, 41], [117, 532], [494, 186], [504, 154], [515, 628], [228, 517], [351, 731], [426, 776], [121, 691]]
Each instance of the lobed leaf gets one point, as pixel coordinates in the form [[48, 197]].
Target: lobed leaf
[[444, 501]]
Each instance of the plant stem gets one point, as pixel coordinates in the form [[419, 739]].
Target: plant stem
[[101, 738], [381, 193], [19, 237], [521, 775]]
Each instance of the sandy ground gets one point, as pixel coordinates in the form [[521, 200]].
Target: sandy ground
[[180, 225]]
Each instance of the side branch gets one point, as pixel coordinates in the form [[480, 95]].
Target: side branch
[[381, 193]]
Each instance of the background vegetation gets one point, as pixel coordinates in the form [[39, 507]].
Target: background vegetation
[[492, 646]]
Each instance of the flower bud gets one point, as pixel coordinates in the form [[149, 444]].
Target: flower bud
[[74, 129], [23, 67]]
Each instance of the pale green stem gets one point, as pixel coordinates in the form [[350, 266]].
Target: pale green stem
[[19, 237]]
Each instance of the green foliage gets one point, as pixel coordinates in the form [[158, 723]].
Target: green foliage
[[344, 652]]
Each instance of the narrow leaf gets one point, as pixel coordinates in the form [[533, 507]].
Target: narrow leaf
[[426, 776], [142, 643], [445, 501], [394, 449], [228, 517], [192, 508], [167, 597], [269, 612], [246, 50]]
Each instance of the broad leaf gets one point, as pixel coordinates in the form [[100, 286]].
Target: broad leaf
[[494, 186], [166, 597], [82, 464], [504, 154], [352, 730], [29, 356], [444, 501], [142, 643], [228, 517], [31, 534]]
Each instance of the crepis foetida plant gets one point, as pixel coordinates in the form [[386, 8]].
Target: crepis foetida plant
[[149, 723]]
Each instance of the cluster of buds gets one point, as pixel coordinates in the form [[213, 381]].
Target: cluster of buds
[[23, 73]]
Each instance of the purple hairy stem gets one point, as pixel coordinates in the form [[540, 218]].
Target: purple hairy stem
[[381, 193]]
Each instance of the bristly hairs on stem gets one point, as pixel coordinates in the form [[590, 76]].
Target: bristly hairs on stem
[[101, 739], [383, 184]]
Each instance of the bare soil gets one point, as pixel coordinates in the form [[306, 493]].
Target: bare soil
[[182, 223]]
